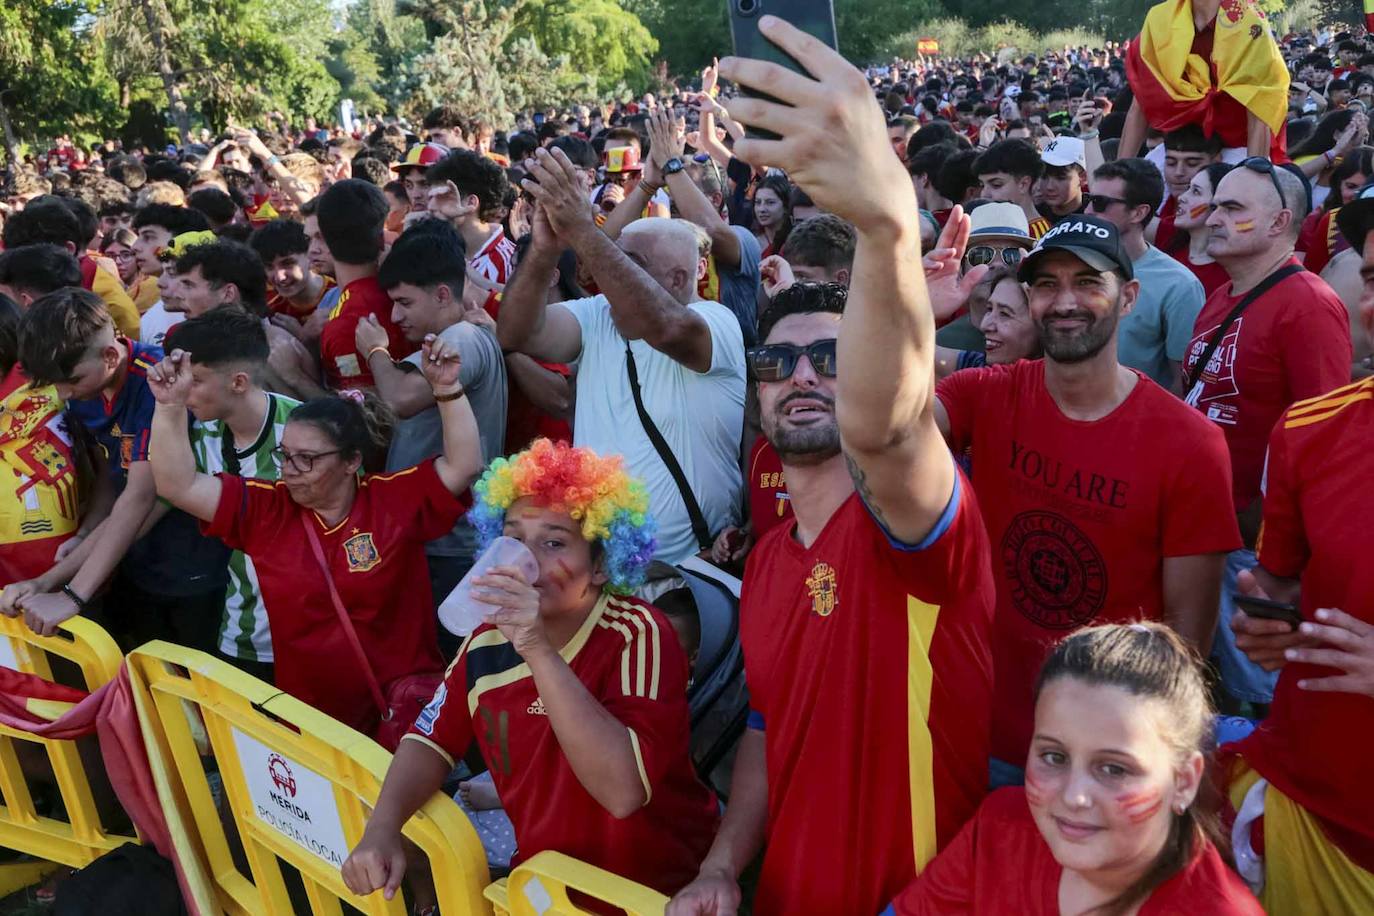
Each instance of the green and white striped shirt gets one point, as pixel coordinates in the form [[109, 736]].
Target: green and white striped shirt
[[244, 631]]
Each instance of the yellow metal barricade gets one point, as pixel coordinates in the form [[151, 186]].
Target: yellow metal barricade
[[540, 887], [80, 837], [298, 784]]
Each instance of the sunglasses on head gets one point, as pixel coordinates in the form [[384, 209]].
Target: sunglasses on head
[[777, 362], [985, 254], [1265, 167]]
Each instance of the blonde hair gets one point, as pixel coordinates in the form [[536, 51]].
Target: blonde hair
[[161, 192]]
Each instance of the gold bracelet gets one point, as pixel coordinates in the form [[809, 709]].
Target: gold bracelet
[[451, 396], [374, 350]]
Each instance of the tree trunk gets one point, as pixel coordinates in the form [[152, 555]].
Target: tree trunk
[[11, 141], [164, 69]]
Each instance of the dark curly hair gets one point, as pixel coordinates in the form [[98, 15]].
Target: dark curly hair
[[473, 173]]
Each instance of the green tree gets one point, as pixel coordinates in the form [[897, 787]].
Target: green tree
[[597, 37], [52, 78]]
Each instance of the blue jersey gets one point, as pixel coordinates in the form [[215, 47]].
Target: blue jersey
[[123, 425]]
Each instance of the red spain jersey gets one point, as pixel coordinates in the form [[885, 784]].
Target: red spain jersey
[[628, 658], [769, 504], [1082, 514], [376, 557], [1293, 342], [496, 261], [1316, 747], [1000, 863], [870, 672], [281, 305], [343, 365]]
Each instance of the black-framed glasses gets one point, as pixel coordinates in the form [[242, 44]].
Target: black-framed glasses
[[777, 362], [1100, 202], [986, 254], [1266, 167], [304, 462]]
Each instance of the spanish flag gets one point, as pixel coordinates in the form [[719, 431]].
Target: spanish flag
[[1179, 79]]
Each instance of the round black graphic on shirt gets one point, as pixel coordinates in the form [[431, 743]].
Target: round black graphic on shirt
[[1056, 575]]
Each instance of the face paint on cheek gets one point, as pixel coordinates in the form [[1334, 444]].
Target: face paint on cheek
[[1036, 792], [1245, 225], [1198, 211], [1139, 807], [562, 575]]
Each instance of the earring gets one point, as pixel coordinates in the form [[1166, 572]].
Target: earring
[[1180, 807]]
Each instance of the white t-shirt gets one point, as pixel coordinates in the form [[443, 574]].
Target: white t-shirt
[[699, 414], [156, 322]]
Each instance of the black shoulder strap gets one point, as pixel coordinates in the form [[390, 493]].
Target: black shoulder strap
[[1264, 286], [699, 526]]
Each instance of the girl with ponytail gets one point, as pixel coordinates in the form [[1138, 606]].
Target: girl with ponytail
[[1107, 823]]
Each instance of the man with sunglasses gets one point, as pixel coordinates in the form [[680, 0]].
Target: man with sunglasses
[[865, 620], [1154, 334], [1096, 523], [998, 236], [1274, 335]]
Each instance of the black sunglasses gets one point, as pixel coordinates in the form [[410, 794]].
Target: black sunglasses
[[1265, 167], [777, 362], [984, 254], [1101, 202]]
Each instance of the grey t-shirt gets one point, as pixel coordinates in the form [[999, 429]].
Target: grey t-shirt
[[739, 288], [483, 377], [1160, 326]]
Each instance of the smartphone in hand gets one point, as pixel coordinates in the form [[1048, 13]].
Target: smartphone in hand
[[1269, 610], [815, 17]]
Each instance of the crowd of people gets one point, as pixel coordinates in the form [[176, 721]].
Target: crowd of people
[[1026, 398]]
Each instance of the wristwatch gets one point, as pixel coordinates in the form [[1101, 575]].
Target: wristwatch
[[674, 165]]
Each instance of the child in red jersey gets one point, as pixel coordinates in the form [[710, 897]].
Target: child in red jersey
[[1106, 822], [576, 696]]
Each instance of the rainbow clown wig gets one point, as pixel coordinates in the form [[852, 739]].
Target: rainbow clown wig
[[612, 506]]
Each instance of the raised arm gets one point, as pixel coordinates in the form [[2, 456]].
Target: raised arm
[[641, 308], [1133, 132], [665, 144], [831, 128], [461, 461], [169, 452], [527, 324]]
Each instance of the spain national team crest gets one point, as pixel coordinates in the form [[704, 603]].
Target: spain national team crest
[[362, 553], [823, 588]]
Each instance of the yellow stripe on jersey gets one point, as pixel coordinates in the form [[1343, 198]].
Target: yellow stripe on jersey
[[371, 478], [1329, 411], [432, 746], [262, 484], [643, 652], [920, 628], [522, 670], [639, 763], [1321, 401]]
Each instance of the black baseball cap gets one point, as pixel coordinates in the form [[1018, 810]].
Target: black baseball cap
[[1356, 218], [1091, 239]]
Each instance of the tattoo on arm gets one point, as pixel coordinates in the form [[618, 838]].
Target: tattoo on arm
[[860, 479]]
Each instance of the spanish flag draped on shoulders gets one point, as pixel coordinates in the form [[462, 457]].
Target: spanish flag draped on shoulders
[[1212, 77]]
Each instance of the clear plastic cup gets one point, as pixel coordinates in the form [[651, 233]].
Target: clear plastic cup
[[461, 612]]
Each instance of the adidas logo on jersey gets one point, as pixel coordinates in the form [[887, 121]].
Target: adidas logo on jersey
[[537, 707]]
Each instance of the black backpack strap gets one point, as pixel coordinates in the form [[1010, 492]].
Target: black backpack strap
[[699, 527], [1264, 286]]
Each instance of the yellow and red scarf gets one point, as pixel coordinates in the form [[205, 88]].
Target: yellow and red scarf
[[1178, 87]]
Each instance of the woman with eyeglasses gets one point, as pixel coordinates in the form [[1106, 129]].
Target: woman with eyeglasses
[[323, 521], [118, 246], [1188, 244]]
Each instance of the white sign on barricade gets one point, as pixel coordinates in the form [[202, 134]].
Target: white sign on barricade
[[295, 801]]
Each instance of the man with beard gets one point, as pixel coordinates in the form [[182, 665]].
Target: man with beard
[[865, 621], [1106, 495]]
